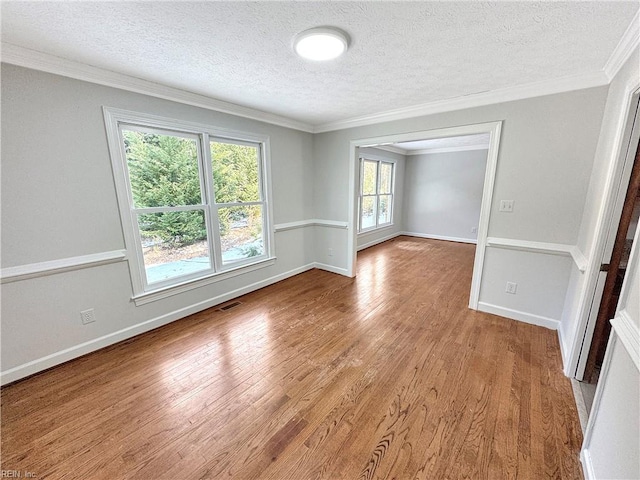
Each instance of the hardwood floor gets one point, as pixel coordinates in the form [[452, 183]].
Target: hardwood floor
[[388, 375]]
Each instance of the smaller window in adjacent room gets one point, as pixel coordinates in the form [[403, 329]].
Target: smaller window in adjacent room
[[376, 194], [192, 199]]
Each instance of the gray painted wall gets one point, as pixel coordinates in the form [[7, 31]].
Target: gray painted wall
[[59, 201], [443, 193], [544, 164]]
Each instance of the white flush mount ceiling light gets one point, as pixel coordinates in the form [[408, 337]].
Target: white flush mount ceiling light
[[320, 44]]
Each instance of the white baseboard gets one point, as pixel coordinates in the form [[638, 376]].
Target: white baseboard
[[331, 268], [587, 465], [76, 351], [520, 316], [439, 237], [379, 240]]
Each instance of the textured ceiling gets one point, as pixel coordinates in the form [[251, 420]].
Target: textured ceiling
[[402, 53]]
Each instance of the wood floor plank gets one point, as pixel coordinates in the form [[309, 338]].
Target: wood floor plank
[[319, 376]]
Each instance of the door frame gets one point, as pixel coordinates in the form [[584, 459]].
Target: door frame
[[492, 128], [617, 179], [599, 337]]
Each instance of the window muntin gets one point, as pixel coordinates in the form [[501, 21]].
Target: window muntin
[[193, 211], [376, 194]]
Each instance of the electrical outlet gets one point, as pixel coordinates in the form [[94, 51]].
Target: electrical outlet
[[474, 230], [506, 206], [330, 252], [511, 288], [88, 316]]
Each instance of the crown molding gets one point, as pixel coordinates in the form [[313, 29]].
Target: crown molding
[[24, 57], [28, 58], [627, 44], [392, 149], [520, 92], [466, 148]]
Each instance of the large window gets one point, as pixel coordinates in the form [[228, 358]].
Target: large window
[[192, 200], [376, 194]]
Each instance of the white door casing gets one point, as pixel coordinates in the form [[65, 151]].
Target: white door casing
[[492, 128]]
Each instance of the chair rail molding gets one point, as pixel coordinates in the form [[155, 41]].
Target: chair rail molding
[[628, 334], [314, 222], [563, 249], [52, 267]]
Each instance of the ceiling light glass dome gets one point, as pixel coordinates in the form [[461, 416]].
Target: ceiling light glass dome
[[321, 44]]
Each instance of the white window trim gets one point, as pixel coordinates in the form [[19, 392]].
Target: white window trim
[[379, 159], [143, 293], [185, 286]]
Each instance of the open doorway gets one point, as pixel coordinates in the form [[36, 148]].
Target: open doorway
[[492, 133], [614, 273], [425, 188], [619, 234], [444, 186]]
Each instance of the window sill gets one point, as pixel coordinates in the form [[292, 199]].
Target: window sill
[[165, 292], [375, 230]]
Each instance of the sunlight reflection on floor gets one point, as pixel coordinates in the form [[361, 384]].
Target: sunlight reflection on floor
[[227, 359], [372, 279]]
